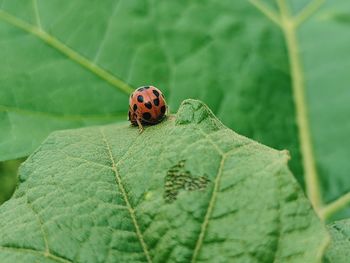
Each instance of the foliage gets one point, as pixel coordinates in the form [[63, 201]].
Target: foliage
[[105, 194], [274, 71], [339, 250]]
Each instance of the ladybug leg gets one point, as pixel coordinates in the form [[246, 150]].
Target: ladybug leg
[[140, 125]]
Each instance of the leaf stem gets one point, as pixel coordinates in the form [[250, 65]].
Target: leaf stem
[[308, 11], [36, 13], [67, 51], [209, 212], [212, 200], [123, 191], [330, 209], [298, 85], [266, 11], [36, 253]]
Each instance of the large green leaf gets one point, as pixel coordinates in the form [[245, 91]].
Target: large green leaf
[[339, 250], [186, 190], [66, 64], [324, 50], [317, 35], [204, 49]]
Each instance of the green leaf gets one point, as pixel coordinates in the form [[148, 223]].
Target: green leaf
[[339, 249], [319, 80], [326, 74], [70, 64], [186, 190], [52, 82]]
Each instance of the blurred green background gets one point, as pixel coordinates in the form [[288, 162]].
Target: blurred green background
[[8, 178]]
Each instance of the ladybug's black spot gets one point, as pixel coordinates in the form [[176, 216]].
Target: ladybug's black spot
[[156, 102], [155, 93], [147, 87], [163, 109], [148, 105], [147, 116], [129, 116], [140, 98], [135, 107], [141, 89]]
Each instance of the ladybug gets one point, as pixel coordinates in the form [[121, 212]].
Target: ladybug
[[146, 106]]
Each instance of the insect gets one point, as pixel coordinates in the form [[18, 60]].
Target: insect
[[146, 106]]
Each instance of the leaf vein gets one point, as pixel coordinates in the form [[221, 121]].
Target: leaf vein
[[101, 45], [41, 223], [308, 11], [266, 11], [36, 13], [212, 201], [289, 25], [125, 196], [37, 253], [208, 214], [298, 86], [67, 51]]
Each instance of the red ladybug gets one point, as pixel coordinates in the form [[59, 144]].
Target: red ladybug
[[146, 106]]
